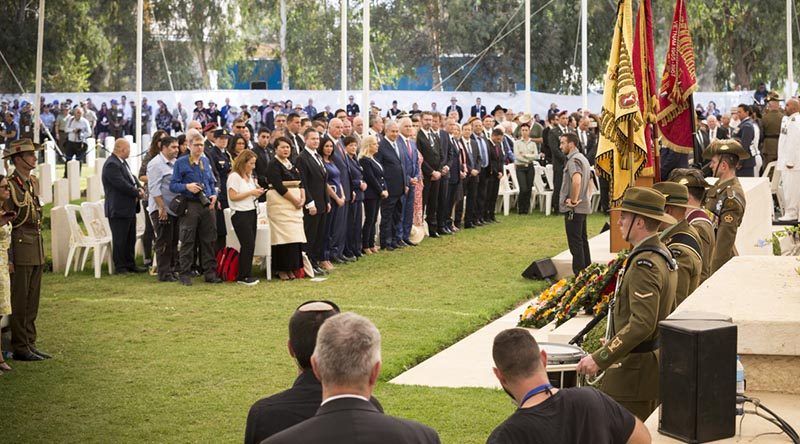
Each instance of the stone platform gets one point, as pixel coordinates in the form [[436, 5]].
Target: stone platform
[[756, 225]]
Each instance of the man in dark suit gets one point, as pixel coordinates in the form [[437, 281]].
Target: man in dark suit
[[558, 158], [313, 176], [745, 134], [483, 168], [473, 165], [265, 153], [390, 157], [293, 134], [477, 109], [428, 145], [338, 240], [454, 107], [701, 141], [280, 411], [441, 127], [588, 140], [123, 193], [347, 361], [493, 174], [411, 163]]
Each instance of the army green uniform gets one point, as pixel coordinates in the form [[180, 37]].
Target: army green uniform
[[646, 296], [726, 203], [27, 252], [683, 242], [771, 127], [701, 221]]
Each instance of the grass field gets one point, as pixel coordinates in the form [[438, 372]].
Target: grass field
[[141, 361]]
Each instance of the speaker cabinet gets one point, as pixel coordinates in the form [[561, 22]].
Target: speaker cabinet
[[540, 269], [258, 85], [697, 380]]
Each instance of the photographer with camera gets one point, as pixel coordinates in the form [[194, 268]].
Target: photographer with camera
[[78, 130], [193, 179]]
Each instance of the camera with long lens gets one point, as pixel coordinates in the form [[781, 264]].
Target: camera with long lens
[[201, 196]]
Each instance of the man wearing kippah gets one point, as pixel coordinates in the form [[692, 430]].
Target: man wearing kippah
[[725, 200], [645, 296]]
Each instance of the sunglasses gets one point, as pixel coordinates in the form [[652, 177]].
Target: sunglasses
[[240, 127], [313, 306]]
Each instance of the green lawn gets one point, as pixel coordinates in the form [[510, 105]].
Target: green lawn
[[141, 361]]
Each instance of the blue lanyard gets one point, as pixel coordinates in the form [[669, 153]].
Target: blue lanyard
[[535, 391]]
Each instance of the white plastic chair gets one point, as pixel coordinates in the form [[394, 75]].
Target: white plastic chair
[[263, 247], [594, 192], [509, 187], [81, 243], [548, 174], [544, 196]]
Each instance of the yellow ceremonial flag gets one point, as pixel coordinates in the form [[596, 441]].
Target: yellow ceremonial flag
[[616, 161]]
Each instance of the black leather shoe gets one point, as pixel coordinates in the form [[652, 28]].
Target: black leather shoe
[[468, 226], [139, 270], [444, 232], [214, 280], [168, 278], [434, 235], [389, 248], [409, 243], [185, 280], [337, 261], [319, 271], [349, 258], [40, 353], [447, 230], [479, 223], [29, 356]]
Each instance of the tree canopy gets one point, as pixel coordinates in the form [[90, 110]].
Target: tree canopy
[[90, 45]]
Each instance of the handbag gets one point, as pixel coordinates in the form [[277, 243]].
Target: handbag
[[179, 205]]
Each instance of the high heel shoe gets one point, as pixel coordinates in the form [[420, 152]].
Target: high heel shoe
[[5, 367]]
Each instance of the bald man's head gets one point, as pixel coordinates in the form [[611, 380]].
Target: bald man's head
[[792, 106], [122, 148]]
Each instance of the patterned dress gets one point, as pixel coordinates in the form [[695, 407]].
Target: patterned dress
[[5, 280]]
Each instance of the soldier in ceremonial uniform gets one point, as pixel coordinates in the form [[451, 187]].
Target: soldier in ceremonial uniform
[[725, 200], [698, 217], [27, 250], [645, 295], [681, 239], [771, 128]]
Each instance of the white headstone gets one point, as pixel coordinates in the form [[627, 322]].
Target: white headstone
[[91, 152], [50, 157], [59, 239], [94, 188], [74, 178], [98, 171], [45, 184], [134, 160], [60, 193], [108, 145], [146, 138]]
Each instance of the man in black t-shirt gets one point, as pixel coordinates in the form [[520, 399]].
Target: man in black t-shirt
[[549, 415]]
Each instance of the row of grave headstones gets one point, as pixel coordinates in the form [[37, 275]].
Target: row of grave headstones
[[60, 192]]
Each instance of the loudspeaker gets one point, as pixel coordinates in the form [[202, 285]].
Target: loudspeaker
[[540, 269], [258, 85], [697, 383]]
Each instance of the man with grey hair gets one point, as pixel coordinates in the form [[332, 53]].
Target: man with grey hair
[[347, 360]]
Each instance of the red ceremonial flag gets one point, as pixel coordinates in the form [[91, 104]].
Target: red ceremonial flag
[[644, 74], [675, 116]]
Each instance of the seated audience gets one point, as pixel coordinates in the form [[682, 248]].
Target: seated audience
[[347, 361]]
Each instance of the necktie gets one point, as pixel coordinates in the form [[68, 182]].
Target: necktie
[[396, 151], [408, 147], [583, 138], [484, 153]]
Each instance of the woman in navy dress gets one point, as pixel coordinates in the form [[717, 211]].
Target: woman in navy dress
[[338, 216]]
